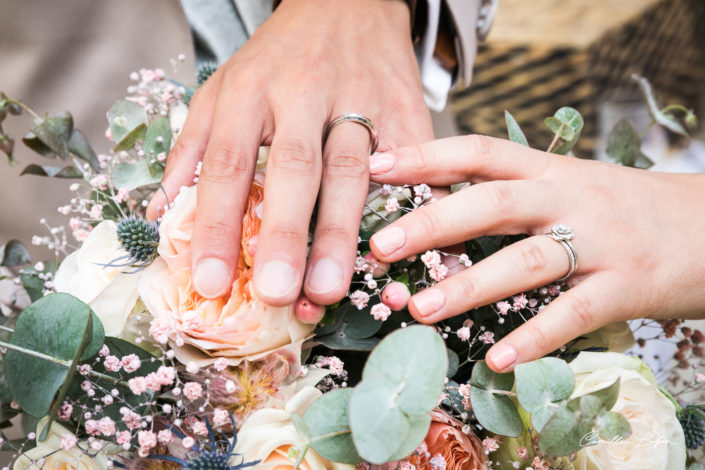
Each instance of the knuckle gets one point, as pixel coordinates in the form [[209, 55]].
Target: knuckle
[[288, 235], [539, 338], [501, 197], [295, 155], [335, 232], [424, 159], [215, 231], [345, 163], [468, 284], [479, 147], [224, 162], [430, 221], [581, 309], [532, 258]]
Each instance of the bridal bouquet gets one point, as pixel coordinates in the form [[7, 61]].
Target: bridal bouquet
[[111, 358]]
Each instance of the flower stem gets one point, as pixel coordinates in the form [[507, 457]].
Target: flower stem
[[38, 355]]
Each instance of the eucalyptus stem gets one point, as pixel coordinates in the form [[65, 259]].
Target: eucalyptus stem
[[28, 109], [38, 355], [61, 362], [553, 143], [4, 328]]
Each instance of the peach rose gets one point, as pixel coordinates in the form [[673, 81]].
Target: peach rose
[[446, 440], [237, 325]]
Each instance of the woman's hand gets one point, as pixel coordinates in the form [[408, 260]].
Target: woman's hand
[[639, 237], [310, 62]]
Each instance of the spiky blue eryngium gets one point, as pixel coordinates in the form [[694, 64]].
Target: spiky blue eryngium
[[692, 419], [205, 71], [139, 238]]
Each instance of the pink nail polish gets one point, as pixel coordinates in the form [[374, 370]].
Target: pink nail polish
[[276, 278], [381, 162], [211, 277], [325, 276], [389, 239], [429, 301], [503, 356]]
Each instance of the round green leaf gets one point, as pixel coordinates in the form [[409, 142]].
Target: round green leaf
[[133, 175], [329, 427], [157, 140], [53, 326], [613, 426], [378, 425], [415, 360], [128, 122], [540, 385], [493, 409], [418, 429]]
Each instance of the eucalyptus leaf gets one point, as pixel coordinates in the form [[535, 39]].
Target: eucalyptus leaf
[[540, 385], [128, 123], [453, 362], [157, 140], [569, 118], [7, 146], [54, 326], [13, 253], [667, 121], [79, 146], [613, 427], [31, 281], [133, 175], [566, 432], [69, 172], [608, 395], [33, 142], [329, 427], [415, 358], [55, 133], [378, 425], [494, 409], [418, 429], [624, 143], [514, 131], [563, 130], [300, 426]]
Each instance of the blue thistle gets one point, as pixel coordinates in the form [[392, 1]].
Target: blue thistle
[[692, 421], [205, 71], [139, 238], [215, 456]]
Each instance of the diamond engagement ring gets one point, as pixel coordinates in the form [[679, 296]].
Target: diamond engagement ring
[[563, 234], [358, 119]]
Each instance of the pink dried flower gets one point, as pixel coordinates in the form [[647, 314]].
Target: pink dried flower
[[463, 333], [107, 426], [65, 411], [193, 391], [84, 369], [220, 364], [431, 259], [104, 351], [159, 331], [152, 381], [487, 337], [188, 442], [520, 301], [503, 307], [438, 272], [522, 452], [131, 419], [123, 437], [490, 444], [131, 363], [147, 439], [91, 426], [165, 436], [380, 312], [359, 299], [199, 428], [392, 205], [464, 390], [68, 441], [220, 417], [112, 363], [539, 464], [166, 375], [138, 385]]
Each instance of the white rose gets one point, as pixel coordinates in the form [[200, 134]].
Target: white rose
[[109, 291], [656, 442], [77, 458], [268, 434]]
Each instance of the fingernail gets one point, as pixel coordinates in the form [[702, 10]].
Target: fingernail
[[325, 276], [381, 162], [502, 356], [276, 278], [389, 239], [429, 301], [211, 277]]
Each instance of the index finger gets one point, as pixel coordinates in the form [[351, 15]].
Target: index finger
[[458, 159]]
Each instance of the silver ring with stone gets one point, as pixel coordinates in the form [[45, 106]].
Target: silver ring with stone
[[358, 119], [563, 234]]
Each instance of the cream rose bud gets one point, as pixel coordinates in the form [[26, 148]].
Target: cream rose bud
[[268, 435], [75, 458], [109, 291], [656, 442]]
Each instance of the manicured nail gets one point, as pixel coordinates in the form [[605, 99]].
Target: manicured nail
[[389, 239], [502, 356], [211, 277], [276, 278], [325, 276], [429, 301], [381, 162]]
